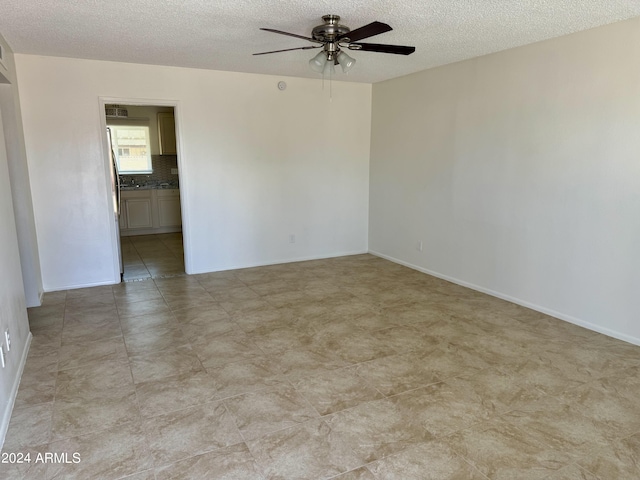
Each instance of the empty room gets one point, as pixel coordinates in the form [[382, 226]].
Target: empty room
[[384, 240]]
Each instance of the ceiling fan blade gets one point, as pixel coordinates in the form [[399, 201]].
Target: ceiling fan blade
[[291, 34], [289, 49], [374, 28], [378, 47]]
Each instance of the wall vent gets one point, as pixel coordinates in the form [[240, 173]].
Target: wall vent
[[116, 111]]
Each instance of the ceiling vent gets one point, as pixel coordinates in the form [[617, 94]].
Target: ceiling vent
[[116, 111]]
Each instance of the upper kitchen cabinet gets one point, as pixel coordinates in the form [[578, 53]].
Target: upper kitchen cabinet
[[167, 133]]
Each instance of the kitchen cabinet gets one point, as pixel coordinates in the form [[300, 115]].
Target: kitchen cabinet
[[169, 208], [137, 207], [167, 133], [139, 213], [150, 211]]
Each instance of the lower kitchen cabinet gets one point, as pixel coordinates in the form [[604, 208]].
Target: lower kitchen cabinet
[[139, 213], [150, 211], [169, 208]]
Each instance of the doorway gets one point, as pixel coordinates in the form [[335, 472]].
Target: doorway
[[152, 256], [143, 147]]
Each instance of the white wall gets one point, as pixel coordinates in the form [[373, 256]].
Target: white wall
[[21, 189], [13, 313], [520, 172], [256, 164]]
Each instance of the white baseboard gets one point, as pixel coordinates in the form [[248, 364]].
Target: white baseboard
[[40, 300], [83, 285], [518, 301], [279, 262], [6, 415], [233, 267]]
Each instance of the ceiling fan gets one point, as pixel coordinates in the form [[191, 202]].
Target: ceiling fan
[[333, 38]]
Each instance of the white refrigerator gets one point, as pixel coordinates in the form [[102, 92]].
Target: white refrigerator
[[115, 194]]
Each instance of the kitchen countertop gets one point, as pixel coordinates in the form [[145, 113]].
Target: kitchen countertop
[[150, 186]]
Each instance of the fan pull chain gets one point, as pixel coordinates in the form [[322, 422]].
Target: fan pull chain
[[330, 88], [330, 85]]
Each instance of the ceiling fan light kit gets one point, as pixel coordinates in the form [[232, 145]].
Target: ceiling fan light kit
[[345, 61], [318, 62], [333, 38]]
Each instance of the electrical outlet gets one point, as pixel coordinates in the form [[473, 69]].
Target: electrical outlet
[[2, 356], [174, 171], [7, 338], [292, 238]]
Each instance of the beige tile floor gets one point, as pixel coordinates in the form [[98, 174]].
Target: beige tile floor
[[346, 368], [151, 256]]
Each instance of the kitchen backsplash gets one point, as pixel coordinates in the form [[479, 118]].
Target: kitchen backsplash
[[162, 165]]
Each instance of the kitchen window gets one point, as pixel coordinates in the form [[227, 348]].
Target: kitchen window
[[132, 148]]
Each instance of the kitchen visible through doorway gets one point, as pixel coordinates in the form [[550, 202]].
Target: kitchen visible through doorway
[[143, 146]]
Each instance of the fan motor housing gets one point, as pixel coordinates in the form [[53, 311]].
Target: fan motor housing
[[330, 29]]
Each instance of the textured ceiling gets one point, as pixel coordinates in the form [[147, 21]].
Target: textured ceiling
[[222, 35]]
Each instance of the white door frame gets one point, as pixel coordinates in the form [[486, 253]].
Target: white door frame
[[103, 101]]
